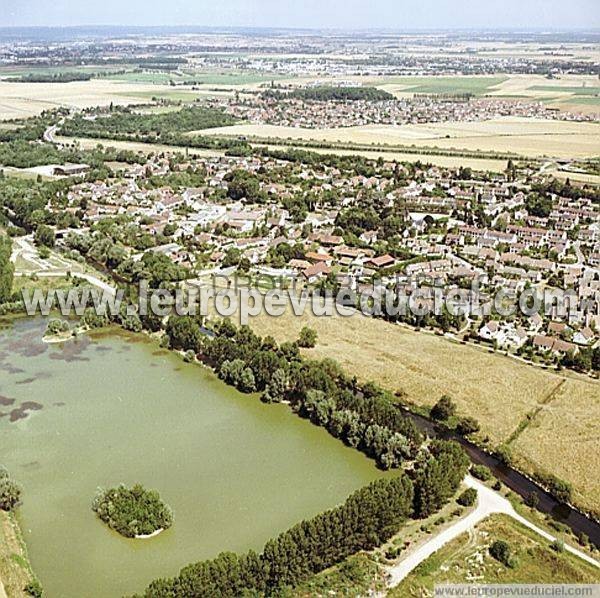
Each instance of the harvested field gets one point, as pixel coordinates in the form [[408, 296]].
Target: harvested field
[[21, 100], [424, 366], [564, 438], [527, 137]]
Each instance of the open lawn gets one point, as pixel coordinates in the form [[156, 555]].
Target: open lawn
[[467, 560], [499, 391]]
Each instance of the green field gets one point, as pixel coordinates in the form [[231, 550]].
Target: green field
[[474, 85]]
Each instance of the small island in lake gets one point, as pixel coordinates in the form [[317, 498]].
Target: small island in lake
[[133, 512]]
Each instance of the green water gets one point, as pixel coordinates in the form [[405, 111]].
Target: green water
[[97, 412]]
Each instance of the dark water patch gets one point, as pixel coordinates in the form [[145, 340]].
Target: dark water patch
[[28, 344], [6, 401], [31, 465], [35, 378], [23, 411], [72, 350], [11, 369]]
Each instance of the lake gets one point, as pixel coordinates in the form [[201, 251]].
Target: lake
[[111, 408]]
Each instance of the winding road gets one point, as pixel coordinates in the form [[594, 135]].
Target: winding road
[[488, 503]]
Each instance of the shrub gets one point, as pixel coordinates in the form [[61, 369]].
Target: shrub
[[558, 545], [532, 500], [467, 498], [583, 538], [10, 491], [502, 552], [34, 588], [481, 472], [467, 425], [443, 409], [307, 338]]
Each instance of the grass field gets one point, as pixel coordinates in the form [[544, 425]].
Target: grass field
[[467, 560], [499, 391]]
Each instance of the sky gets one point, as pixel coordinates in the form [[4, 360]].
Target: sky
[[342, 14]]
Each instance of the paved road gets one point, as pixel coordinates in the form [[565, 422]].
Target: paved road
[[488, 503]]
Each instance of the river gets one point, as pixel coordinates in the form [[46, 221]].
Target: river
[[114, 408]]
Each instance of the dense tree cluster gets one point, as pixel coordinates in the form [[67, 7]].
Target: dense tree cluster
[[363, 416], [326, 93], [64, 77], [132, 511]]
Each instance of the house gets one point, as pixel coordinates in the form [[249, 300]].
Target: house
[[369, 237], [489, 330], [70, 169], [316, 272], [383, 261], [319, 258], [584, 336]]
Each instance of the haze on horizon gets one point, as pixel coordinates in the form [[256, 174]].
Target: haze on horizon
[[342, 14]]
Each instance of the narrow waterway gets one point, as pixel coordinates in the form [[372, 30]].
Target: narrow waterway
[[517, 482]]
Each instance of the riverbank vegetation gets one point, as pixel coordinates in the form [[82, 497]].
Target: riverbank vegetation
[[10, 491], [132, 512], [417, 365], [15, 569]]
